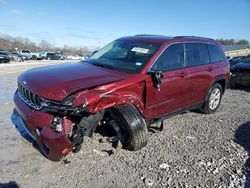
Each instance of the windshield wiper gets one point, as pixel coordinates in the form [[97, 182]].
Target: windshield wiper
[[102, 65]]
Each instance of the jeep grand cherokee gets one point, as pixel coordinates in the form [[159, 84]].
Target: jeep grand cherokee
[[129, 84]]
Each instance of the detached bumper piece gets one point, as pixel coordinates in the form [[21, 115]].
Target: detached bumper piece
[[35, 127]]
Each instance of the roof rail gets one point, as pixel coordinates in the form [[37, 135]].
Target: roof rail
[[196, 37], [147, 35], [153, 35]]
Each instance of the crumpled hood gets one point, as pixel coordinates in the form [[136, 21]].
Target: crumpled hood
[[58, 81]]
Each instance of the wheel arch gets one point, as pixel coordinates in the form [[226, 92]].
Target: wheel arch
[[220, 80], [118, 98]]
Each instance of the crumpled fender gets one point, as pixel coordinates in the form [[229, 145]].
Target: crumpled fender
[[104, 97], [117, 98]]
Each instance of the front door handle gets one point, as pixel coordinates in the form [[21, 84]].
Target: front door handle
[[209, 69], [182, 74]]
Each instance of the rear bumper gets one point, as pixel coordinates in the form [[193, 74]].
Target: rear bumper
[[35, 125]]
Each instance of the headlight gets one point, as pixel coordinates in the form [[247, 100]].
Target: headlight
[[56, 105], [80, 101], [64, 107], [68, 101]]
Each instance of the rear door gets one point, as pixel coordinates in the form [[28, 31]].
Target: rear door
[[174, 88], [200, 70], [205, 62]]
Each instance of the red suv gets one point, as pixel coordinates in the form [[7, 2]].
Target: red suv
[[129, 84]]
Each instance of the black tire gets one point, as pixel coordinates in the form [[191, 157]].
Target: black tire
[[206, 108], [34, 57], [133, 126]]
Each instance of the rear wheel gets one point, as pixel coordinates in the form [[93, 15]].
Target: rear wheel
[[213, 99], [132, 126], [34, 57]]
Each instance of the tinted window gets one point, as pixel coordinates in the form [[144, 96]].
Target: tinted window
[[215, 54], [196, 54], [172, 58]]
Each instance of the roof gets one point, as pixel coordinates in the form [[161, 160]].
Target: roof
[[233, 47], [162, 38], [171, 37], [154, 36]]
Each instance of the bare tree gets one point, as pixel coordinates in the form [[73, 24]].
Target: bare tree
[[18, 43], [45, 45]]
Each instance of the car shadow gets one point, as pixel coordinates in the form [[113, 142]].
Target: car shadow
[[242, 137], [11, 184]]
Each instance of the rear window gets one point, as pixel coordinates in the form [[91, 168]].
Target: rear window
[[215, 53], [196, 54]]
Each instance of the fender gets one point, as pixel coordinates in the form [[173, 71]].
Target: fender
[[117, 98], [98, 99]]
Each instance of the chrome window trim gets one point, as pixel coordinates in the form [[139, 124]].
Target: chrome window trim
[[183, 42]]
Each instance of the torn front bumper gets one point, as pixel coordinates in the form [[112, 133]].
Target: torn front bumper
[[35, 127]]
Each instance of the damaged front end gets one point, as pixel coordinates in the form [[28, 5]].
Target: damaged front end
[[56, 127], [59, 127]]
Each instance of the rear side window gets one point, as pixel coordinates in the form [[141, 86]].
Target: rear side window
[[172, 58], [215, 53], [196, 54]]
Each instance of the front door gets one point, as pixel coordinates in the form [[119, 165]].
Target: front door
[[173, 93]]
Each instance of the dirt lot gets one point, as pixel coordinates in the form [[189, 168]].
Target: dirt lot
[[193, 150]]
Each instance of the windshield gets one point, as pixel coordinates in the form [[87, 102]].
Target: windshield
[[124, 55]]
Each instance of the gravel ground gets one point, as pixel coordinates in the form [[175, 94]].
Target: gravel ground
[[193, 150]]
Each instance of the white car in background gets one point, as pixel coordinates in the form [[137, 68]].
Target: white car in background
[[77, 57], [28, 54]]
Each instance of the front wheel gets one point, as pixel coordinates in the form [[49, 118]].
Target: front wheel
[[213, 99], [132, 126]]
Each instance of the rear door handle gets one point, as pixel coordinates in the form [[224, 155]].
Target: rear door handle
[[210, 69]]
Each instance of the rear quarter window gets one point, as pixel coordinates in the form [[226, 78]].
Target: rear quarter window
[[216, 54]]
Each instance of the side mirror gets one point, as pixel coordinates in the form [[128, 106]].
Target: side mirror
[[157, 76]]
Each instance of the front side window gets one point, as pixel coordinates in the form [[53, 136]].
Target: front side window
[[215, 53], [196, 54], [172, 58], [125, 55]]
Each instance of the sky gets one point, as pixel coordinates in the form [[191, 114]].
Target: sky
[[94, 23]]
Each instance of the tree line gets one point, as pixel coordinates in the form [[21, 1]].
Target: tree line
[[233, 42], [21, 43]]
